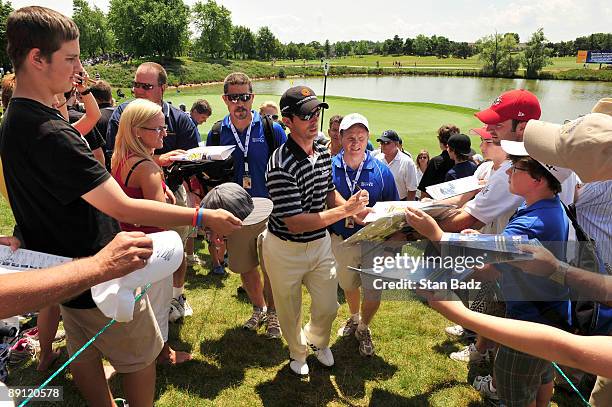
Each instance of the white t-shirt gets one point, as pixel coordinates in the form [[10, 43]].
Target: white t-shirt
[[404, 172], [484, 170], [494, 204]]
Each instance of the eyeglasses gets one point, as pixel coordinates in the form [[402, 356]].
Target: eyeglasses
[[486, 141], [314, 114], [156, 129], [274, 117], [514, 169], [235, 97], [141, 85]]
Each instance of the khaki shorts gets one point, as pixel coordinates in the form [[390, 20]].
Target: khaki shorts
[[181, 200], [345, 257], [242, 248], [128, 346]]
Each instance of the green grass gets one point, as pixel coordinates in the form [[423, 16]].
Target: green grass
[[232, 367]]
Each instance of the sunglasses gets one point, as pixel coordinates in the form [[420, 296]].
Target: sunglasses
[[235, 97], [156, 129], [315, 113], [274, 117], [143, 86], [422, 156], [514, 169], [486, 141]]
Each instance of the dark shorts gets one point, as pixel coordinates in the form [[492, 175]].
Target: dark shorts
[[518, 376]]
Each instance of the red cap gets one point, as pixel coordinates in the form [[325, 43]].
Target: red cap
[[482, 132], [517, 104]]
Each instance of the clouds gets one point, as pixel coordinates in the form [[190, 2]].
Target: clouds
[[464, 20]]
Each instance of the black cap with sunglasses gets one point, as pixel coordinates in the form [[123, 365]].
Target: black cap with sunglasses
[[301, 101], [389, 135]]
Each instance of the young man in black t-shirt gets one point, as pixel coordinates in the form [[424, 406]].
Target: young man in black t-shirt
[[440, 164], [64, 202]]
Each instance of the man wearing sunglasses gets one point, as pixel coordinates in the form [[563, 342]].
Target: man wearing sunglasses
[[150, 82], [244, 128], [401, 165], [296, 245]]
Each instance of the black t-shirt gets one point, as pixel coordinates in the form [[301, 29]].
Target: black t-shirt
[[47, 168], [436, 170], [94, 137]]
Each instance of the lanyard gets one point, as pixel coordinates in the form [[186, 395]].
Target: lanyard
[[350, 184], [247, 139]]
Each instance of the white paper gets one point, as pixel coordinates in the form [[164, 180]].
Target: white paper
[[201, 153], [453, 188], [23, 260], [389, 208]]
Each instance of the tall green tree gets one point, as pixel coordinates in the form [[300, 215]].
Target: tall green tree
[[243, 43], [214, 24], [461, 50], [536, 55], [145, 27], [5, 9], [441, 46], [95, 36], [498, 54], [266, 44], [421, 45], [327, 49]]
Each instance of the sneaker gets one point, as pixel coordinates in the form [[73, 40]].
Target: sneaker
[[218, 270], [348, 329], [366, 346], [179, 308], [258, 318], [324, 355], [22, 350], [455, 331], [299, 368], [470, 354], [193, 260], [483, 385], [273, 329]]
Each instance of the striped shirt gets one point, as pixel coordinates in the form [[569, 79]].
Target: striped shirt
[[298, 184], [594, 214]]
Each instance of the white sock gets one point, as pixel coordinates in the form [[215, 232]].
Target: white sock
[[177, 291], [355, 317], [491, 387]]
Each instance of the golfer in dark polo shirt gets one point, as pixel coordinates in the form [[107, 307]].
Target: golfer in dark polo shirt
[[296, 247]]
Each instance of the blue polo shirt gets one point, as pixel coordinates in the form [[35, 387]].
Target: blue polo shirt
[[258, 152], [182, 134], [461, 170], [375, 177], [546, 221]]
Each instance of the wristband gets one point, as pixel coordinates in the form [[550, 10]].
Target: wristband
[[86, 92], [200, 217], [560, 274], [195, 217]]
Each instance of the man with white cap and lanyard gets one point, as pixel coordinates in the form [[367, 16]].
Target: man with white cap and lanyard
[[353, 169], [296, 246]]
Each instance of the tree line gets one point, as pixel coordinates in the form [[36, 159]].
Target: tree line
[[141, 28]]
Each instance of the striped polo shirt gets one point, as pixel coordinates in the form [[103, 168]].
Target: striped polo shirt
[[298, 184]]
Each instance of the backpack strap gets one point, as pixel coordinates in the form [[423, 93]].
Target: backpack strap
[[133, 168], [215, 134], [268, 127]]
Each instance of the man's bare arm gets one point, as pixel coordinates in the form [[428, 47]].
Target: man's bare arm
[[460, 220], [32, 290]]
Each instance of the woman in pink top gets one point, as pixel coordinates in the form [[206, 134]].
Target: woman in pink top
[[142, 129]]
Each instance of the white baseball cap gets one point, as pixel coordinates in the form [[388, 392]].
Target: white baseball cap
[[518, 148], [353, 119]]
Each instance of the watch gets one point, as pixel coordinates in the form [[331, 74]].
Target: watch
[[559, 275], [86, 92]]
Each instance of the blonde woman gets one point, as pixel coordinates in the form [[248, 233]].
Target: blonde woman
[[142, 129]]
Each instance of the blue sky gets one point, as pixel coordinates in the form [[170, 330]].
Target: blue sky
[[466, 20]]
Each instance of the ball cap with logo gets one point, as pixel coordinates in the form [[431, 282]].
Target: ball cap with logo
[[584, 145], [352, 119], [389, 135], [517, 104], [517, 148], [300, 100], [236, 200], [482, 132]]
